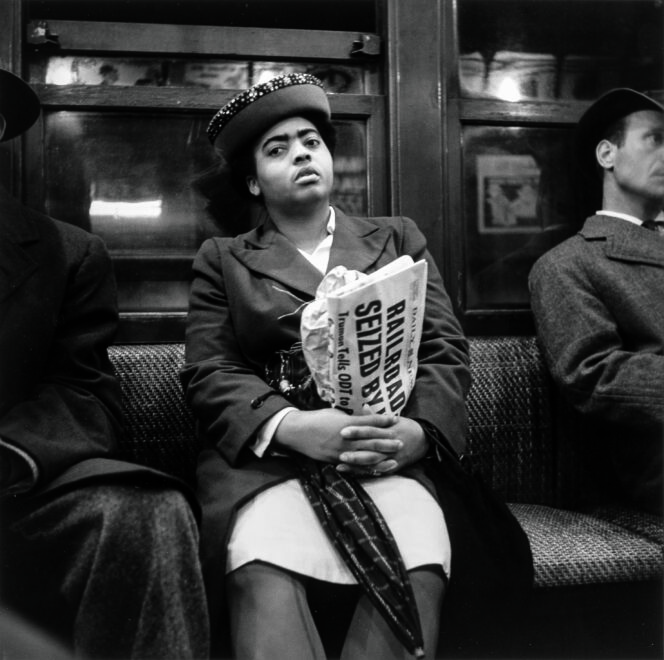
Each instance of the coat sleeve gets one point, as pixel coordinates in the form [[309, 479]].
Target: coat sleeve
[[443, 375], [74, 409], [588, 355], [229, 399]]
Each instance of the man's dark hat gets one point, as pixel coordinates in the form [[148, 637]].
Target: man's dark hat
[[252, 112], [19, 105], [608, 109]]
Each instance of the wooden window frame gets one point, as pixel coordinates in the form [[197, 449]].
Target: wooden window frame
[[423, 46], [76, 37]]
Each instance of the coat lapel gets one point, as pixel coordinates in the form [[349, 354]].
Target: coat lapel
[[357, 245], [626, 241], [267, 252], [16, 232], [645, 250]]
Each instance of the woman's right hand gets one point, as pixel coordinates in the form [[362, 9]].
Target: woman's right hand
[[317, 434]]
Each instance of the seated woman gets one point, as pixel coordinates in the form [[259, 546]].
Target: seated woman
[[263, 535]]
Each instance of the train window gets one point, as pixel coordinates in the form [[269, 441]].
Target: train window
[[459, 115], [519, 77], [126, 98], [191, 73], [558, 49], [515, 208], [128, 178]]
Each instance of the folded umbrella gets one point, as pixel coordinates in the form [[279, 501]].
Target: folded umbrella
[[359, 533]]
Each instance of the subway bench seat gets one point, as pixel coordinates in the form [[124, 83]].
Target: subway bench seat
[[598, 569]]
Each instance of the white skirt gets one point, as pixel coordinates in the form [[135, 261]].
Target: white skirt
[[279, 527]]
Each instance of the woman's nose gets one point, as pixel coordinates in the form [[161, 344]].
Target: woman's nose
[[301, 153]]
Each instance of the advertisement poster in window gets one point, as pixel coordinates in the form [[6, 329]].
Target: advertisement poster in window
[[507, 194]]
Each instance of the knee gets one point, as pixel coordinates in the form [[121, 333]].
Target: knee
[[129, 517], [429, 584], [244, 584], [264, 586]]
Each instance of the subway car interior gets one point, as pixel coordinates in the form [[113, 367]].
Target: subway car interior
[[458, 114]]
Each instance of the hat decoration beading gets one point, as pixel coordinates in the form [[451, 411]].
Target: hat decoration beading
[[246, 98]]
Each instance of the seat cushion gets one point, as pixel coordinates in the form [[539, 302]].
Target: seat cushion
[[574, 548], [509, 419], [158, 425]]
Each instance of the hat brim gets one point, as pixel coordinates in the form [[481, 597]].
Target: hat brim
[[263, 113], [607, 110], [19, 105]]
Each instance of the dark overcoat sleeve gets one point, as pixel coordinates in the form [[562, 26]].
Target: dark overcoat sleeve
[[228, 307], [61, 403], [592, 317]]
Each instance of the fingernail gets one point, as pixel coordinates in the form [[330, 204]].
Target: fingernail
[[390, 465], [342, 468], [343, 457]]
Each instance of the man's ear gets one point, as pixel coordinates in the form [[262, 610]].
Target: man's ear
[[3, 125], [605, 154], [253, 186]]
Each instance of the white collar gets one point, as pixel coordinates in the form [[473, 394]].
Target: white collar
[[623, 216], [321, 255], [331, 222]]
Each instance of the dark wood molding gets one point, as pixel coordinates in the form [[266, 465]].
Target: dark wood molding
[[201, 40], [416, 140], [493, 112], [139, 328], [114, 97]]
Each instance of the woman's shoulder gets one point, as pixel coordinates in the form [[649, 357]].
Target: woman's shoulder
[[222, 247], [219, 244], [398, 223]]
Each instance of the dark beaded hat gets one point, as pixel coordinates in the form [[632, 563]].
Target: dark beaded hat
[[19, 105], [252, 112]]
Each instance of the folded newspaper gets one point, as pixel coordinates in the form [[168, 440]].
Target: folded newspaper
[[361, 334]]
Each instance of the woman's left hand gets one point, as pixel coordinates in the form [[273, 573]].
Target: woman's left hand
[[370, 464]]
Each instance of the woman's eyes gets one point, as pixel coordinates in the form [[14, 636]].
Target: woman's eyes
[[280, 149]]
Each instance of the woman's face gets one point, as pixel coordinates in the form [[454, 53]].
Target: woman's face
[[293, 166]]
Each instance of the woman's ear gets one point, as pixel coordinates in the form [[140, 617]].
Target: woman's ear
[[605, 154], [253, 186]]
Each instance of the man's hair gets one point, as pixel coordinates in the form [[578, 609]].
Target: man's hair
[[615, 132]]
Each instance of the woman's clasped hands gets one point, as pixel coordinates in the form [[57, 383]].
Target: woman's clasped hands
[[366, 445]]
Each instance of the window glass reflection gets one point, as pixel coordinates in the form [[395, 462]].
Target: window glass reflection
[[518, 204], [128, 178], [350, 192], [559, 49], [209, 74]]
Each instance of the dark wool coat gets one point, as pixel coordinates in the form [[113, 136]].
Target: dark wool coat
[[245, 304], [598, 300], [59, 400]]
